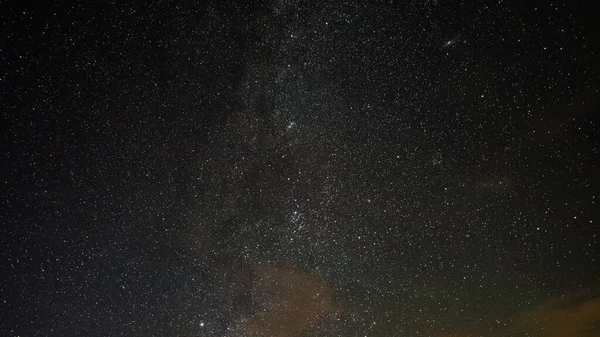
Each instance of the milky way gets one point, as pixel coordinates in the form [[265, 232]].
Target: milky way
[[299, 168]]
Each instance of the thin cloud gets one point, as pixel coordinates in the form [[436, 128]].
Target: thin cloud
[[565, 317], [293, 302]]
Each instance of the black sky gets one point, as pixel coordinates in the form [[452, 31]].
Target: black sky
[[296, 168]]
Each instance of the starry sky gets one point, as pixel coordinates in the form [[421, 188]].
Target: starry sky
[[292, 168]]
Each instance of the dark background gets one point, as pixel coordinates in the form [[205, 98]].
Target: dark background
[[296, 168]]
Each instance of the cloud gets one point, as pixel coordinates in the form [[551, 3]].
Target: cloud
[[292, 301], [459, 334], [565, 317]]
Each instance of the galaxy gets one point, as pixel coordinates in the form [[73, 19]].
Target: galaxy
[[292, 168]]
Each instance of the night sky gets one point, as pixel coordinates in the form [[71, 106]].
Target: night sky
[[294, 168]]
